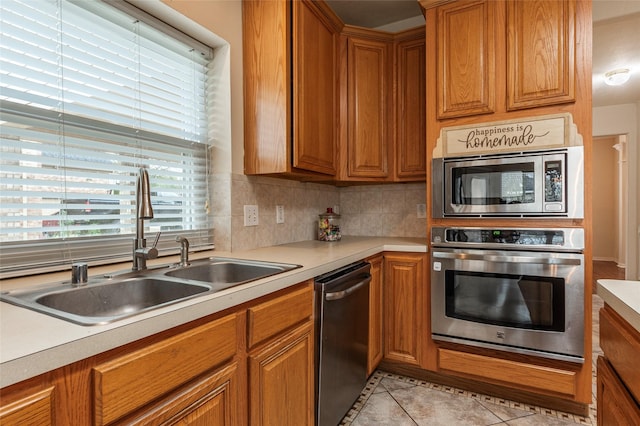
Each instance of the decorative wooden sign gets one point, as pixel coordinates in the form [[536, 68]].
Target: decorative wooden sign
[[532, 133]]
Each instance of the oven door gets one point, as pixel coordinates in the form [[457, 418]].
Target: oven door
[[511, 185], [526, 302]]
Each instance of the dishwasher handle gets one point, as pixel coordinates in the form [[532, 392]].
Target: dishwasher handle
[[337, 295]]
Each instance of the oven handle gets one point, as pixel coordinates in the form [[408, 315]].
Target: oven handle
[[508, 259]]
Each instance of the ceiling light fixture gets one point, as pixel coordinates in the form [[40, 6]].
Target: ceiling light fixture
[[617, 77]]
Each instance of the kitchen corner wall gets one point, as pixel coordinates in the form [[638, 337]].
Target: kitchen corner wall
[[371, 210]]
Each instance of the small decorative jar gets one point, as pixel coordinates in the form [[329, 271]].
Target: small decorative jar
[[329, 226]]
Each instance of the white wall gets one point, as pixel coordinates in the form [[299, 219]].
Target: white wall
[[617, 120]]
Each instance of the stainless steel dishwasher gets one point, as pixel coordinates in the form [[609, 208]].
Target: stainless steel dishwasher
[[342, 324]]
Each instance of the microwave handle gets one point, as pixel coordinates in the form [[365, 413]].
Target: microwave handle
[[507, 259]]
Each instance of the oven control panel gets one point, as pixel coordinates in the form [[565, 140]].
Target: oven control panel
[[551, 238]]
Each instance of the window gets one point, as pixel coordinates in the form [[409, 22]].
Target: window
[[89, 93]]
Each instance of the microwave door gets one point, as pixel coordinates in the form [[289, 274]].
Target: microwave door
[[489, 187]]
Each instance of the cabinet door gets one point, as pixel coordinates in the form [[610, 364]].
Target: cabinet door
[[368, 102], [405, 307], [375, 314], [281, 380], [267, 86], [466, 59], [314, 89], [411, 156], [540, 53], [615, 405]]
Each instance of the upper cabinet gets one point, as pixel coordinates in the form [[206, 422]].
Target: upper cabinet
[[290, 88], [382, 110], [368, 119], [541, 39], [466, 59], [328, 102], [410, 102], [504, 56]]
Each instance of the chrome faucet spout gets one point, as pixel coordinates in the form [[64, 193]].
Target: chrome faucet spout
[[144, 210]]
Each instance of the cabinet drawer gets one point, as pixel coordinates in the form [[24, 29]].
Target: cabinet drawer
[[34, 409], [501, 371], [131, 381], [272, 317]]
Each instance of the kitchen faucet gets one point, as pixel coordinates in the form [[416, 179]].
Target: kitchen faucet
[[143, 211]]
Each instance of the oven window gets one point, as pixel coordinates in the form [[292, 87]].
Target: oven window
[[508, 300], [494, 185]]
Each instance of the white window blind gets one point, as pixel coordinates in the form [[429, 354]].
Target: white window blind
[[88, 95]]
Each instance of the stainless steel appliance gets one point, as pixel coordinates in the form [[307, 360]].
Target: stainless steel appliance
[[546, 183], [519, 290], [342, 327]]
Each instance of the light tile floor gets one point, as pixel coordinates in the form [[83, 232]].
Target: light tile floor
[[390, 399]]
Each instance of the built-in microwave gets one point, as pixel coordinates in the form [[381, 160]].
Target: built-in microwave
[[547, 183]]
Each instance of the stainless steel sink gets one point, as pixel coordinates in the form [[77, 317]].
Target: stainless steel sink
[[104, 302], [224, 273]]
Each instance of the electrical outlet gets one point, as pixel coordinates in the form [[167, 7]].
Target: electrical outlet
[[250, 215], [279, 214], [336, 209], [421, 211]]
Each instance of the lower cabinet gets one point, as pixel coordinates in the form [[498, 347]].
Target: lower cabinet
[[281, 380], [281, 360], [618, 396], [405, 307], [616, 406]]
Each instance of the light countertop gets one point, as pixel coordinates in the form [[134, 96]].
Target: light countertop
[[624, 297], [32, 343]]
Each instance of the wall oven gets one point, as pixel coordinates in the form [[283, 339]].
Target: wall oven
[[542, 184], [518, 290]]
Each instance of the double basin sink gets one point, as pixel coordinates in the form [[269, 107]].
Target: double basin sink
[[105, 300]]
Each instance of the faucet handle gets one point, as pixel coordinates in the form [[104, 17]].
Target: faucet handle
[[155, 241]]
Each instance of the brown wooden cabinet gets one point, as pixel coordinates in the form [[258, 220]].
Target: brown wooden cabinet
[[211, 401], [290, 98], [405, 308], [481, 43], [616, 406], [618, 374], [281, 361], [281, 380], [128, 383], [410, 106], [328, 102], [375, 350], [466, 59], [33, 409], [541, 45], [382, 82], [369, 101]]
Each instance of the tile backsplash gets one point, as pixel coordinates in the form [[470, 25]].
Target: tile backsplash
[[371, 210]]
